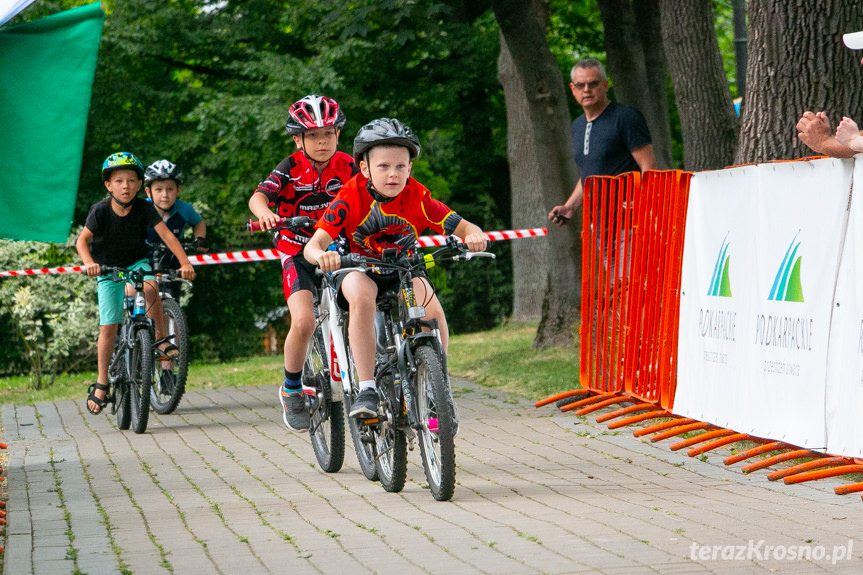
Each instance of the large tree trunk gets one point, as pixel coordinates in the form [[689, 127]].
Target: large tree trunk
[[549, 119], [637, 66], [529, 256], [797, 62], [707, 117]]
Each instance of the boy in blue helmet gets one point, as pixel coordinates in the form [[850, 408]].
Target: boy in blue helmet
[[115, 234]]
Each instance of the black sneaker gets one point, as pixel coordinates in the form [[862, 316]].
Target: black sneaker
[[366, 404]]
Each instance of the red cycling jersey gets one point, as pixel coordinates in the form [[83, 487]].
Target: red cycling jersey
[[372, 226], [294, 188]]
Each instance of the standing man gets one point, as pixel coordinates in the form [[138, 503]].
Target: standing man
[[609, 138]]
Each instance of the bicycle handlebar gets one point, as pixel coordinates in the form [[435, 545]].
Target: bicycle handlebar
[[293, 224]]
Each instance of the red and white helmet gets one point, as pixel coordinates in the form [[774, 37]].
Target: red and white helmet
[[314, 112]]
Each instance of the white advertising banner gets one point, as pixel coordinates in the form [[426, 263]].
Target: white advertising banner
[[759, 267], [845, 358]]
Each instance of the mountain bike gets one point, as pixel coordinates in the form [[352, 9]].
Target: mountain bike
[[411, 377], [130, 371], [321, 383], [170, 383]]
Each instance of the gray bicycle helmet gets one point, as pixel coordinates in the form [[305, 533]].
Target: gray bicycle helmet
[[385, 131], [314, 112], [162, 170]]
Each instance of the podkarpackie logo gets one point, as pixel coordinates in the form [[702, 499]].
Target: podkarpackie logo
[[720, 283], [786, 284]]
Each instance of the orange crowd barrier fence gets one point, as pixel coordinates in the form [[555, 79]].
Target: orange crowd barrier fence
[[631, 265]]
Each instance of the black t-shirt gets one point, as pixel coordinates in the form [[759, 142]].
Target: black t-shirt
[[604, 146], [120, 240]]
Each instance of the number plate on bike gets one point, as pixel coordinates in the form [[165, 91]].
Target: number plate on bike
[[417, 312]]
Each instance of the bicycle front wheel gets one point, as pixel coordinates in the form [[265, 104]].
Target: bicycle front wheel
[[169, 385], [141, 372], [327, 429], [435, 411]]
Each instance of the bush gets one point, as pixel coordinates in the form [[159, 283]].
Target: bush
[[49, 327]]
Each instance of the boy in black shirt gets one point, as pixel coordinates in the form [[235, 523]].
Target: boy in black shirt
[[115, 234]]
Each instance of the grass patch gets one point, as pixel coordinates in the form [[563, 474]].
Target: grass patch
[[502, 358]]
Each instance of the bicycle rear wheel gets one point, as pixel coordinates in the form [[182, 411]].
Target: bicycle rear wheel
[[122, 407], [392, 458], [364, 442], [120, 390], [169, 385], [141, 371], [327, 428], [435, 411]]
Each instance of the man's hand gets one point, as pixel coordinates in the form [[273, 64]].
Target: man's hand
[[848, 134], [814, 130], [187, 272], [560, 215]]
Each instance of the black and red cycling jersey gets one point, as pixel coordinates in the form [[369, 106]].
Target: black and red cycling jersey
[[372, 226], [295, 188]]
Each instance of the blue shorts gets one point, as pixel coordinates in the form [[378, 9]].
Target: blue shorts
[[111, 295]]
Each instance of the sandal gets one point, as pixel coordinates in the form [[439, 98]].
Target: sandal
[[165, 353], [100, 402]]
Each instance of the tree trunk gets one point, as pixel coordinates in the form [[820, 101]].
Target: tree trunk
[[529, 256], [707, 118], [797, 62], [637, 66], [549, 120]]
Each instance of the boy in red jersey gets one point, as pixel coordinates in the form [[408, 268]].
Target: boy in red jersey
[[303, 184], [383, 207]]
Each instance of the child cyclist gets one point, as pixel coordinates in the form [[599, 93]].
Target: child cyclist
[[303, 184], [162, 183], [383, 207], [115, 234]]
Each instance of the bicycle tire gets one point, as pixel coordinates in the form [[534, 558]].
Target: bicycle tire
[[327, 429], [364, 444], [165, 394], [392, 459], [119, 388], [122, 408], [141, 380], [435, 411]]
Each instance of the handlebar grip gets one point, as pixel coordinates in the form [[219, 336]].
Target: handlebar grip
[[253, 226]]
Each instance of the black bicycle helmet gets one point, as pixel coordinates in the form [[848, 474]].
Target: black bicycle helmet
[[314, 112], [385, 131], [162, 170]]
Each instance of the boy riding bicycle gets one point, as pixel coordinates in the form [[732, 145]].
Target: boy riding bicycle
[[162, 183], [115, 234], [303, 184], [383, 207]]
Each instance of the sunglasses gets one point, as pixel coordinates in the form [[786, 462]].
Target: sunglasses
[[580, 86]]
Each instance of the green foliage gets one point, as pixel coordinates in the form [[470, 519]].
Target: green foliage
[[48, 321]]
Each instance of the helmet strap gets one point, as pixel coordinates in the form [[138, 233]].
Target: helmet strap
[[123, 204]]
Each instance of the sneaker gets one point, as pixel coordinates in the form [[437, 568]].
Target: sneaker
[[167, 381], [366, 404], [294, 411]]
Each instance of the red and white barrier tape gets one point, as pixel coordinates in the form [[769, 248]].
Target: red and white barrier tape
[[272, 254]]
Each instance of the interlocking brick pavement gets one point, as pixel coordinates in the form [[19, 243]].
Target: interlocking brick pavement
[[221, 486]]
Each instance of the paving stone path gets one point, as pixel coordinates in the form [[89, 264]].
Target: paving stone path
[[221, 486]]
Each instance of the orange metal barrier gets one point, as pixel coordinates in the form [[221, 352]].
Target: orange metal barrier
[[631, 265]]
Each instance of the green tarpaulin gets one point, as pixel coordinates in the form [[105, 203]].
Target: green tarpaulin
[[46, 79]]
